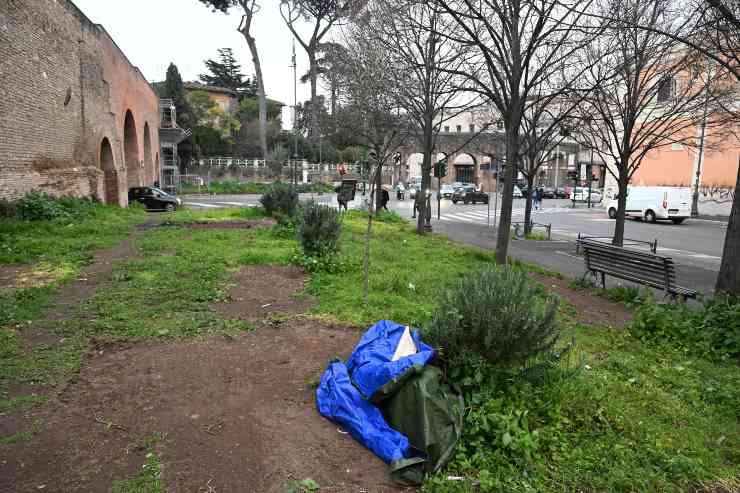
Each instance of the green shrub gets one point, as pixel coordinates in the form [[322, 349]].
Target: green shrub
[[8, 209], [628, 295], [496, 315], [39, 206], [319, 229], [712, 330], [280, 199]]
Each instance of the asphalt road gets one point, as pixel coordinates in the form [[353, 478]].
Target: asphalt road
[[696, 245]]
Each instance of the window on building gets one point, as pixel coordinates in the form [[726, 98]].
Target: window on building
[[447, 128], [472, 128], [666, 89], [459, 128], [500, 124]]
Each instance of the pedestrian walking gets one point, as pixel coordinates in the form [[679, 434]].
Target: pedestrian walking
[[385, 198], [536, 198]]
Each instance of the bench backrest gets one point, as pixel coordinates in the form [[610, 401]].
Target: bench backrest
[[631, 265]]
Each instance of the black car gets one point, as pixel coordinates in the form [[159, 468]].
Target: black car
[[560, 193], [153, 199], [466, 195], [549, 193]]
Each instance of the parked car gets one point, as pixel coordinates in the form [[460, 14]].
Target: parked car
[[466, 195], [560, 193], [154, 199], [655, 203], [549, 193], [446, 191], [580, 194]]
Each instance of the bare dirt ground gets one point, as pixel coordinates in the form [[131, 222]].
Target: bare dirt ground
[[257, 223], [233, 414], [238, 415], [591, 309], [259, 292]]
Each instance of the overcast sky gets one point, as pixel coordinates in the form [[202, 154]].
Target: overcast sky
[[154, 33]]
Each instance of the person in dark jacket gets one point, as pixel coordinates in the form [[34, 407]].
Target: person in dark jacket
[[385, 198]]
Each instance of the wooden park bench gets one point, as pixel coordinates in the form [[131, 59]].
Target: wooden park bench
[[631, 265]]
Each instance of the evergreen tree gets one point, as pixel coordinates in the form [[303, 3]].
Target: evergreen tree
[[227, 73], [172, 88]]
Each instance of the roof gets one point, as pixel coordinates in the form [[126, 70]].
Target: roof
[[197, 86]]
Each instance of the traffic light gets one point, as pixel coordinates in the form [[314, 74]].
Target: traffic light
[[440, 168]]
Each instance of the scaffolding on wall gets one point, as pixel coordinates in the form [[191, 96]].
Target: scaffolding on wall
[[170, 135]]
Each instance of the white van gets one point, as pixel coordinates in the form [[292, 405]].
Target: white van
[[654, 204]]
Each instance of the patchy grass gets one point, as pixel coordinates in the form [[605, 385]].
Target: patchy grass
[[60, 248], [637, 417], [215, 215], [148, 479]]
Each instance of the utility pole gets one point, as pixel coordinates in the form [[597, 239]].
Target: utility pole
[[700, 158], [295, 114], [590, 176]]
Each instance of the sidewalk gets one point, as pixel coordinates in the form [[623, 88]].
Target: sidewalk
[[560, 256]]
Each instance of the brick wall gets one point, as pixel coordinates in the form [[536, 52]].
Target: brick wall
[[65, 87]]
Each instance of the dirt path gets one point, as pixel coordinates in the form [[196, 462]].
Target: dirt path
[[590, 309]]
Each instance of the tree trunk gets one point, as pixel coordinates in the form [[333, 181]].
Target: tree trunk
[[622, 183], [378, 187], [260, 93], [366, 258], [507, 199], [528, 206], [426, 173], [313, 75], [728, 280]]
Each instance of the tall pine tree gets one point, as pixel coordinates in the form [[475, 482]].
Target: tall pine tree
[[227, 73], [172, 88]]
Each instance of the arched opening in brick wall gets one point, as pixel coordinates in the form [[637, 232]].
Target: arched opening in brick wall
[[148, 168], [465, 168], [131, 151], [110, 176]]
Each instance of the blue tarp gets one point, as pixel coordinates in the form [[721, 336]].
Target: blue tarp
[[338, 400], [372, 390], [370, 365], [345, 401]]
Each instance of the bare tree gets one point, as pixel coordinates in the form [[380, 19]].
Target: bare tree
[[544, 127], [654, 97], [423, 65], [249, 9], [519, 45], [323, 14], [370, 111]]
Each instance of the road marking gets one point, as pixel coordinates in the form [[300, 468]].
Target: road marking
[[705, 257], [238, 204], [198, 204], [560, 252]]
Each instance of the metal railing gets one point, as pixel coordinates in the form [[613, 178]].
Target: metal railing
[[520, 230], [653, 245]]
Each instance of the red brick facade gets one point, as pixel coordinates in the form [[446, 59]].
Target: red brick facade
[[76, 117]]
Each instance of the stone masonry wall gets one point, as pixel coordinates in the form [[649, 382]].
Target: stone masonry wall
[[64, 88]]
